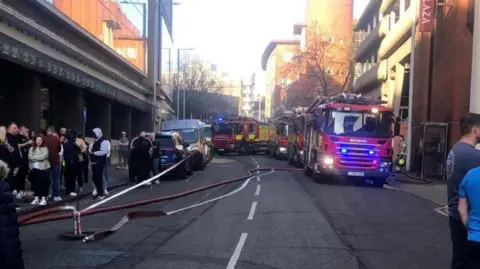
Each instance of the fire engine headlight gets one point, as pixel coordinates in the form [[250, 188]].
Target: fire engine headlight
[[282, 149], [328, 160], [300, 152], [385, 164]]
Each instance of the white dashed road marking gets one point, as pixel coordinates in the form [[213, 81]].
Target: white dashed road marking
[[237, 251], [252, 211], [257, 191]]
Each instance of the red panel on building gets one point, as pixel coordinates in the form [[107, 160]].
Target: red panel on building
[[426, 16]]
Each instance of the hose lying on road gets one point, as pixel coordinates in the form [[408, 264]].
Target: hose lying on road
[[160, 213], [48, 211], [40, 217], [414, 180]]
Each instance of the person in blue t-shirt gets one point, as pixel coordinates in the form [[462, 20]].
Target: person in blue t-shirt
[[469, 209], [462, 158]]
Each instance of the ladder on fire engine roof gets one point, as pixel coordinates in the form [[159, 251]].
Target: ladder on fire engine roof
[[350, 99]]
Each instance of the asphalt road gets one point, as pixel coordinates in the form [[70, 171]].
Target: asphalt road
[[280, 220]]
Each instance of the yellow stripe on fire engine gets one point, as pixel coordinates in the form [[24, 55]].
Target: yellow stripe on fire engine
[[238, 137]]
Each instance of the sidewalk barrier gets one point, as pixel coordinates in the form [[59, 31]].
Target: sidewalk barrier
[[79, 234]]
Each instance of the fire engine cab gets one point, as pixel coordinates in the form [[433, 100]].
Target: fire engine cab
[[236, 135], [278, 145], [348, 136]]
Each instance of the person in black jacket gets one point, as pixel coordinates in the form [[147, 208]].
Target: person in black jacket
[[70, 155], [10, 246]]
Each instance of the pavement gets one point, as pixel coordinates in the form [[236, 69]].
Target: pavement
[[280, 220], [117, 178], [436, 191]]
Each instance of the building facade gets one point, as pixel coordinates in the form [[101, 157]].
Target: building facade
[[278, 61], [441, 67], [295, 71], [207, 106], [105, 20]]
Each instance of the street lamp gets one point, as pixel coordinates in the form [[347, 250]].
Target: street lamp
[[169, 67], [178, 78]]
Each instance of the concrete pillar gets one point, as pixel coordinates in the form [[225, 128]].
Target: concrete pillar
[[73, 109], [104, 120], [28, 101], [122, 120], [398, 87], [128, 123], [475, 77], [66, 107]]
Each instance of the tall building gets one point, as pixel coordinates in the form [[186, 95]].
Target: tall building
[[295, 71], [278, 61], [439, 76], [105, 20], [329, 48]]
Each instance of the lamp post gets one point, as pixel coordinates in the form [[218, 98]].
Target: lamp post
[[178, 78], [169, 67]]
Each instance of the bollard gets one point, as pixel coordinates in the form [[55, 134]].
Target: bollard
[[78, 234]]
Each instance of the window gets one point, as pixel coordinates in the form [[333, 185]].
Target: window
[[122, 51], [132, 53], [331, 39], [288, 56]]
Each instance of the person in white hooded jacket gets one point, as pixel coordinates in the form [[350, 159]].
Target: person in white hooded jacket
[[98, 157]]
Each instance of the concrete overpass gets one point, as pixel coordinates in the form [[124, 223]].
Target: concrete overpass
[[56, 73]]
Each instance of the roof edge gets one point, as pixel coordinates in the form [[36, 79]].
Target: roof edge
[[271, 47]]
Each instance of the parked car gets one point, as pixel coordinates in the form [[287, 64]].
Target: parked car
[[173, 149], [192, 132]]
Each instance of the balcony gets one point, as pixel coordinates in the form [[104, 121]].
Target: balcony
[[399, 33], [372, 78], [371, 42]]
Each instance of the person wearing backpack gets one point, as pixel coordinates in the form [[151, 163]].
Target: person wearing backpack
[[70, 155]]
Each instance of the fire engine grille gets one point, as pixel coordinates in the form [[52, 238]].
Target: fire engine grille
[[357, 156], [220, 142]]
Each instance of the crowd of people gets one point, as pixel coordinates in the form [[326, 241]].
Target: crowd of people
[[49, 159]]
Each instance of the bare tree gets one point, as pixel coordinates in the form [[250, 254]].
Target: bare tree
[[197, 76], [324, 68]]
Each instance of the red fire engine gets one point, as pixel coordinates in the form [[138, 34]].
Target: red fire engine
[[278, 145], [236, 135], [296, 138], [348, 136]]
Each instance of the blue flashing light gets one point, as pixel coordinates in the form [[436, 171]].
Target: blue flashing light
[[220, 119], [344, 150], [371, 152]]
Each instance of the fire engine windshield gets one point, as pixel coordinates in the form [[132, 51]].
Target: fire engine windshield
[[359, 123], [223, 129], [237, 128], [282, 129]]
